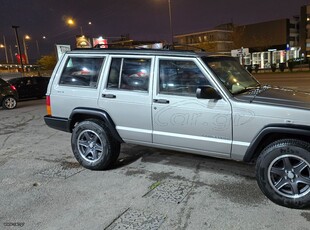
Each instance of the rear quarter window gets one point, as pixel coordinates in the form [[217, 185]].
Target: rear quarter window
[[81, 72]]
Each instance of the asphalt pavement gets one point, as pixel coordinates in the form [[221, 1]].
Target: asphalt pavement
[[43, 187]]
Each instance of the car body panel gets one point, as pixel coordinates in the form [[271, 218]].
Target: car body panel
[[30, 87]]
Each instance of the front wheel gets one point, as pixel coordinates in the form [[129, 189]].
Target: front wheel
[[93, 146], [283, 173]]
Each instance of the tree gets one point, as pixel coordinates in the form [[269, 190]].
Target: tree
[[47, 62]]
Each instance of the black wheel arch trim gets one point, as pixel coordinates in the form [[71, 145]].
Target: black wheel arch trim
[[101, 114], [274, 128]]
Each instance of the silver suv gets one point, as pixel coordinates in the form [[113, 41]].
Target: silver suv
[[186, 101]]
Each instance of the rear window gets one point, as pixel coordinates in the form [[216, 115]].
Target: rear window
[[81, 71]]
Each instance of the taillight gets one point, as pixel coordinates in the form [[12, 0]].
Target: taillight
[[13, 87], [48, 106]]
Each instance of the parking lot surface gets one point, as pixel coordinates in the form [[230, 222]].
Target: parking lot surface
[[43, 187]]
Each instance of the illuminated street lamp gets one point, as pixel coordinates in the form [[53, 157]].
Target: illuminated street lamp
[[70, 22]]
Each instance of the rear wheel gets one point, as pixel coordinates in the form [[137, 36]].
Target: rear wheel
[[283, 173], [9, 102], [93, 146]]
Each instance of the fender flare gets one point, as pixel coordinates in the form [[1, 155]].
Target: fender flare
[[98, 114], [276, 129]]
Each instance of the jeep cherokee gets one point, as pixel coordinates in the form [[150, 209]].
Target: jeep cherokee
[[186, 101]]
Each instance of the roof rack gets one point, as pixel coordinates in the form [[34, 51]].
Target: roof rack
[[183, 47]]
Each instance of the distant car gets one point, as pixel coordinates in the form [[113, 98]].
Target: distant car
[[8, 95], [30, 87]]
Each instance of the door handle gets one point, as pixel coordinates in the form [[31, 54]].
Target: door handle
[[161, 101], [109, 95]]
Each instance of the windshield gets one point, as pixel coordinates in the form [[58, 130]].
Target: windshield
[[234, 77]]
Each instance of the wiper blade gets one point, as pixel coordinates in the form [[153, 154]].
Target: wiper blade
[[253, 90]]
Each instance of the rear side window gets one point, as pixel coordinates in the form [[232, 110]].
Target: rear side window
[[81, 71], [129, 74]]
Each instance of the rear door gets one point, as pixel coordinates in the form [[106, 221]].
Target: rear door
[[126, 96]]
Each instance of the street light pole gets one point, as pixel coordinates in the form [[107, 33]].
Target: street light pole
[[25, 49], [38, 49], [5, 50], [170, 21], [11, 54], [19, 49]]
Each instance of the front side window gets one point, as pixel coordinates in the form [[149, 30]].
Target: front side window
[[129, 74], [81, 71], [234, 77], [180, 77]]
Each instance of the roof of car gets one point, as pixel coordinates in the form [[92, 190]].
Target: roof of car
[[165, 52]]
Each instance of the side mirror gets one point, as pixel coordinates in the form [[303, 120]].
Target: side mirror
[[207, 92]]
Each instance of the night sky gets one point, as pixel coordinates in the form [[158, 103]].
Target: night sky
[[141, 19]]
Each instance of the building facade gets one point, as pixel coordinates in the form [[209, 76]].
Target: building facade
[[262, 36], [219, 39], [282, 34], [304, 30]]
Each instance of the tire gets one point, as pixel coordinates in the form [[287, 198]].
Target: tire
[[9, 102], [93, 146], [283, 173]]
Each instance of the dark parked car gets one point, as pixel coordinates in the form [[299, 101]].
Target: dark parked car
[[8, 95], [30, 87]]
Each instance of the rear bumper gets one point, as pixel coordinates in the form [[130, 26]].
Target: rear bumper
[[58, 123]]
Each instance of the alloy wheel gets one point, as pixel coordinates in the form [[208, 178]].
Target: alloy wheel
[[289, 176]]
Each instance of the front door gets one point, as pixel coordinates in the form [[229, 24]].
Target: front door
[[180, 119]]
